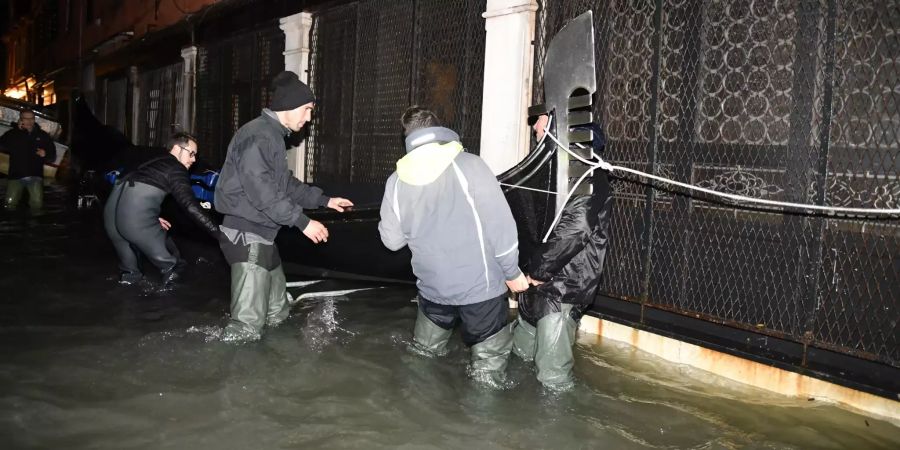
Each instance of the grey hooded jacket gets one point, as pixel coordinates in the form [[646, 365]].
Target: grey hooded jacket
[[448, 207]]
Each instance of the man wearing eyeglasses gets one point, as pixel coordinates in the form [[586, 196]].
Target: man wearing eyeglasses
[[131, 215]]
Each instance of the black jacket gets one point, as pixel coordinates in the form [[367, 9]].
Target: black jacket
[[168, 174], [256, 191], [22, 147], [571, 261]]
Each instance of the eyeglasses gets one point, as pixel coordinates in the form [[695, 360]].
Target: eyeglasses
[[191, 153]]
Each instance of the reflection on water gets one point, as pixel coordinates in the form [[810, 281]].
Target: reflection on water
[[91, 364]]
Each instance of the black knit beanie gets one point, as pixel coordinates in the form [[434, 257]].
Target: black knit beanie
[[288, 92]]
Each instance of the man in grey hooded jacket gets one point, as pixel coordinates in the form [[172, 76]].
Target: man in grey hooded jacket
[[447, 205]]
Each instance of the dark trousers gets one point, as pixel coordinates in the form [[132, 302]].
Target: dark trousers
[[479, 320], [534, 306], [131, 219]]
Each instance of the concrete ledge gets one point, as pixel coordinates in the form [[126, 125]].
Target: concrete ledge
[[745, 371]]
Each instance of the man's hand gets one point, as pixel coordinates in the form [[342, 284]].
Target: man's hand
[[520, 284], [338, 204], [316, 232], [534, 282], [41, 152], [164, 224]]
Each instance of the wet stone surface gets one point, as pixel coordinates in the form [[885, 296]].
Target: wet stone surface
[[87, 363]]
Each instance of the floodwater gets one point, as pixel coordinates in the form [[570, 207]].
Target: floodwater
[[87, 363]]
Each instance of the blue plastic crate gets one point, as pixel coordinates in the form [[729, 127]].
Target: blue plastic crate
[[113, 175], [204, 185]]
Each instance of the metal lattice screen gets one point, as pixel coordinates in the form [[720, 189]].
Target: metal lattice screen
[[792, 100], [233, 78], [159, 103], [370, 61], [113, 102]]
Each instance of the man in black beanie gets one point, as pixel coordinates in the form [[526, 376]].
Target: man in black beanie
[[258, 195]]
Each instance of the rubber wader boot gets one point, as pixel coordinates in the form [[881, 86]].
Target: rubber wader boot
[[553, 358], [249, 302], [428, 338], [14, 190], [129, 278], [279, 306], [35, 194], [489, 357], [172, 275], [524, 340]]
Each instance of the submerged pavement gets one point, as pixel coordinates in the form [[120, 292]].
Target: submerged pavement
[[87, 363]]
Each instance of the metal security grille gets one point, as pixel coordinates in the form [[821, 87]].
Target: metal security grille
[[791, 100], [233, 78], [159, 103], [370, 61], [112, 102]]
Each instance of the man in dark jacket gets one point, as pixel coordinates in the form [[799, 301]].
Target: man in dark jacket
[[258, 195], [564, 272], [131, 215], [29, 148]]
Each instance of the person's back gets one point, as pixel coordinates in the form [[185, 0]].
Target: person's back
[[451, 230], [448, 207]]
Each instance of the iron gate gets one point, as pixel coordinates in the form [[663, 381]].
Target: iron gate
[[791, 100], [159, 103], [233, 78], [370, 61]]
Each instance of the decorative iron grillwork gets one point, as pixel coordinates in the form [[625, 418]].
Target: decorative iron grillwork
[[793, 100], [159, 103], [233, 78], [370, 61]]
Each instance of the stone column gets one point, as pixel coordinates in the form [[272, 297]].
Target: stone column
[[296, 59], [508, 68], [188, 89]]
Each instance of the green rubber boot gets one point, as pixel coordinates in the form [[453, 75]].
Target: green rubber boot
[[524, 340], [249, 302], [428, 338], [553, 356], [489, 357]]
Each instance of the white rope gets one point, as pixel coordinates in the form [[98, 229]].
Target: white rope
[[833, 209], [601, 164], [528, 188], [568, 196]]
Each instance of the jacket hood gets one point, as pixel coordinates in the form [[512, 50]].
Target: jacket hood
[[429, 151], [428, 135], [427, 162]]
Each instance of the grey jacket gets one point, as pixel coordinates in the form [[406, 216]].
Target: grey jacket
[[448, 207], [256, 191]]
